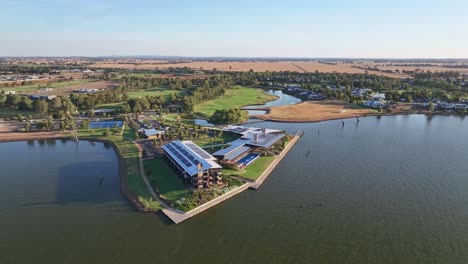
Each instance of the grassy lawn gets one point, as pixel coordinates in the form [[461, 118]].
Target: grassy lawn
[[234, 98], [254, 170], [130, 154], [33, 87], [207, 141], [165, 180], [158, 91], [9, 112], [139, 75]]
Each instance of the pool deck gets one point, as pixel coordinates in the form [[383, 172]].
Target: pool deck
[[178, 216]]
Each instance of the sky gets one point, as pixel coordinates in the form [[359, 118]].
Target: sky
[[240, 28]]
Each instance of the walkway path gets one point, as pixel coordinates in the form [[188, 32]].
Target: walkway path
[[178, 216]]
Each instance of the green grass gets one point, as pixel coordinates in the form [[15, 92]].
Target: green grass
[[139, 75], [34, 87], [165, 180], [234, 98], [207, 141], [9, 112], [254, 170], [158, 91]]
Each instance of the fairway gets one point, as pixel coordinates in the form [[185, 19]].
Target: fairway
[[234, 98], [158, 91], [165, 180]]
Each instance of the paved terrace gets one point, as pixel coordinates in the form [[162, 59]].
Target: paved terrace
[[178, 216]]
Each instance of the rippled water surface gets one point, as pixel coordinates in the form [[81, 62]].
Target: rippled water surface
[[386, 190]]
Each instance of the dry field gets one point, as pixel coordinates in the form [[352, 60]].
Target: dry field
[[29, 136], [314, 112], [6, 127], [258, 66], [435, 66], [68, 89]]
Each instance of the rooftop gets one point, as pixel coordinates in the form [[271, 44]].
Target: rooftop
[[188, 156]]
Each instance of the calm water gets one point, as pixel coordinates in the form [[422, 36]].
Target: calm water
[[283, 99], [393, 190]]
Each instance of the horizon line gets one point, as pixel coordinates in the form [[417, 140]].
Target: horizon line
[[236, 57]]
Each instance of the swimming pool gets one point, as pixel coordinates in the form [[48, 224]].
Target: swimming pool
[[247, 160], [105, 124]]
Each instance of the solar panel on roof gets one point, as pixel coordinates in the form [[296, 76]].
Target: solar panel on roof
[[187, 155], [197, 150], [179, 156]]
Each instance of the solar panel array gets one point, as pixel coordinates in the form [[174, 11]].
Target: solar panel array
[[187, 154], [178, 155], [197, 150]]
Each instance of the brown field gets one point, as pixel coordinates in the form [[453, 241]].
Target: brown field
[[314, 112], [435, 66], [9, 126], [68, 89], [29, 136], [258, 66]]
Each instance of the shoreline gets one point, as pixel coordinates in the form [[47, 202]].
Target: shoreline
[[345, 118], [121, 163], [334, 113]]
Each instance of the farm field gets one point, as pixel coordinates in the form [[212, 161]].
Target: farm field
[[257, 66], [234, 98]]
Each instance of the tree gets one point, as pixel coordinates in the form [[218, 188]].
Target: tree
[[41, 107], [56, 103], [431, 107]]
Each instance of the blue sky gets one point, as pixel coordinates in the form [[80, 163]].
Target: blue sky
[[256, 28]]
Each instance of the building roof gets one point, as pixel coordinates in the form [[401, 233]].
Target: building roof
[[152, 132], [246, 131], [188, 156], [265, 140], [234, 145], [239, 151]]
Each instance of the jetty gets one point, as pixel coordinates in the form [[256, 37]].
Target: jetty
[[178, 216]]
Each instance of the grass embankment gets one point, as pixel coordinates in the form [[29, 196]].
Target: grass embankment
[[174, 190], [165, 181], [157, 91], [34, 87], [234, 98], [130, 156], [254, 170]]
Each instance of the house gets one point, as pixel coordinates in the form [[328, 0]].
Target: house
[[374, 104], [153, 133], [244, 150], [194, 164]]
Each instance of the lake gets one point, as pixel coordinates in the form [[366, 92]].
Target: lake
[[283, 99], [387, 190]]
